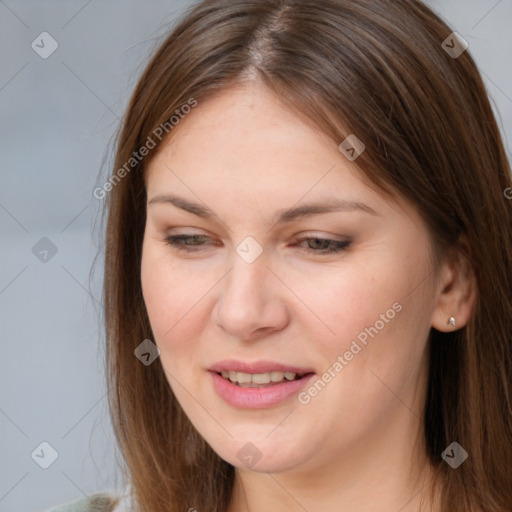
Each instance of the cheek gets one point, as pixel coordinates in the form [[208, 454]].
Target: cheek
[[377, 313], [347, 299], [176, 301], [380, 331], [168, 294]]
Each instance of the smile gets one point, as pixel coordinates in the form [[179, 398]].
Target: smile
[[255, 395], [256, 380]]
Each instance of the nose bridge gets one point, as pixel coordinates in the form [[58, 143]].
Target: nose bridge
[[247, 283], [249, 299]]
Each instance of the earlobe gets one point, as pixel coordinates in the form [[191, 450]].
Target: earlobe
[[456, 292], [451, 322]]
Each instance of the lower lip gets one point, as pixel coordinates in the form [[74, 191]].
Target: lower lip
[[257, 398]]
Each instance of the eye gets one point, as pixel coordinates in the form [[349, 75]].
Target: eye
[[178, 242], [195, 243], [325, 245]]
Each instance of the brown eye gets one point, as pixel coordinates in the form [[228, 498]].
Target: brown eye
[[180, 242], [325, 245]]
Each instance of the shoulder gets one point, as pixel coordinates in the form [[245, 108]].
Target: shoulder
[[99, 502]]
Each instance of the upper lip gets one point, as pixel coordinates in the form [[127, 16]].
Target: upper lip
[[256, 367]]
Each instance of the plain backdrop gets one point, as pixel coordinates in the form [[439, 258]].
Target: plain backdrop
[[58, 115]]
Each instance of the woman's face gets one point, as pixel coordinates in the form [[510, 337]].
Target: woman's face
[[255, 291]]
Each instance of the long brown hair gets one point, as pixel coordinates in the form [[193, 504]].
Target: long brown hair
[[378, 67]]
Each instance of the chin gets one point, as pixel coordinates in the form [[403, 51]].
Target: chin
[[262, 456]]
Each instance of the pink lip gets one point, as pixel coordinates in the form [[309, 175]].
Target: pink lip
[[257, 398], [232, 365]]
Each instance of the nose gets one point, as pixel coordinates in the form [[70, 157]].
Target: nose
[[252, 300]]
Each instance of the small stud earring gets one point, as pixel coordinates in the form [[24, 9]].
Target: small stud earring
[[451, 322]]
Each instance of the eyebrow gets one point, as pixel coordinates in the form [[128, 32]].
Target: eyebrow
[[283, 216]]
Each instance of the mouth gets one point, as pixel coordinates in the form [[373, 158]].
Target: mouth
[[258, 385], [260, 380]]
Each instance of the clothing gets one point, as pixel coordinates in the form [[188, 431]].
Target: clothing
[[98, 502]]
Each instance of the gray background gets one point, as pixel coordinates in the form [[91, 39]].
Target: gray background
[[57, 118]]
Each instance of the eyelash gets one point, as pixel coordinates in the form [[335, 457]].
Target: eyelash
[[176, 241]]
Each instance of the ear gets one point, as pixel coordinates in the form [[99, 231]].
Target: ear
[[456, 290]]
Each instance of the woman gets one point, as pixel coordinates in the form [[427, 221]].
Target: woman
[[308, 279]]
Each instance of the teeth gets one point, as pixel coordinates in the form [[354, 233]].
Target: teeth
[[276, 376], [243, 378], [260, 378], [246, 379]]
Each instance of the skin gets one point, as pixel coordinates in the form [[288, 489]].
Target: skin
[[358, 444]]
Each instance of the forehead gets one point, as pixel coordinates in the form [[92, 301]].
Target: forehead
[[242, 148], [245, 134]]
